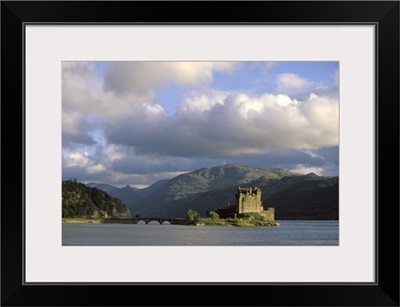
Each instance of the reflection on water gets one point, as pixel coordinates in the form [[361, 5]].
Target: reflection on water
[[288, 233]]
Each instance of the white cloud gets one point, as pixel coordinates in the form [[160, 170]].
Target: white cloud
[[96, 169], [312, 154], [284, 100], [201, 103], [289, 83], [322, 113], [110, 153], [94, 162], [73, 159], [306, 170]]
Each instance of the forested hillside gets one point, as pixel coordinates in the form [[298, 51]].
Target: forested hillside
[[79, 200]]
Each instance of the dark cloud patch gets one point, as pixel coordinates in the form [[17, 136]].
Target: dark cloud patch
[[76, 140], [125, 77], [82, 130]]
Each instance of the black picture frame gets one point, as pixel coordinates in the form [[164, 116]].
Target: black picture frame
[[383, 14]]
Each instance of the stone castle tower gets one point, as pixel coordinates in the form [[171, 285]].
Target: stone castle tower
[[248, 200]]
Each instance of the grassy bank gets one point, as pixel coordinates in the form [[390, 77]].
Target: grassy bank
[[78, 220], [243, 220], [233, 222]]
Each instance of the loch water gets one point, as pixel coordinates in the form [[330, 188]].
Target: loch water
[[289, 233]]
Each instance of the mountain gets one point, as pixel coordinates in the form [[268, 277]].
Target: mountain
[[102, 186], [207, 179], [293, 195], [80, 200], [129, 196], [150, 189]]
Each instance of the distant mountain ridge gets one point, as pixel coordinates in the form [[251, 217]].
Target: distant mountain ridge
[[295, 196]]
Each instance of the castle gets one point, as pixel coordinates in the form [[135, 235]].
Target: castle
[[248, 200]]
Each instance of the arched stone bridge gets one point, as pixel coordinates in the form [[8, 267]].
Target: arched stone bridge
[[135, 220]]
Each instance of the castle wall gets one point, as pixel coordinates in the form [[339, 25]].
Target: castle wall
[[249, 205], [269, 214]]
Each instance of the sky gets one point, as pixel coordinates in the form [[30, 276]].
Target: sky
[[134, 123]]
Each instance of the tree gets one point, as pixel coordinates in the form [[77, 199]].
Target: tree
[[192, 216], [213, 215]]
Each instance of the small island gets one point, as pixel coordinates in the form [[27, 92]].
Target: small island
[[248, 211]]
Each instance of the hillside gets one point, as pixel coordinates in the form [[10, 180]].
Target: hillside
[[304, 197], [129, 196], [80, 200]]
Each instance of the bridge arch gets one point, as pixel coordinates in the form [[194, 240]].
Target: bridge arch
[[146, 220], [154, 221]]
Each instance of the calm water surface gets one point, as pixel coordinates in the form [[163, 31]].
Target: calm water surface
[[303, 233]]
